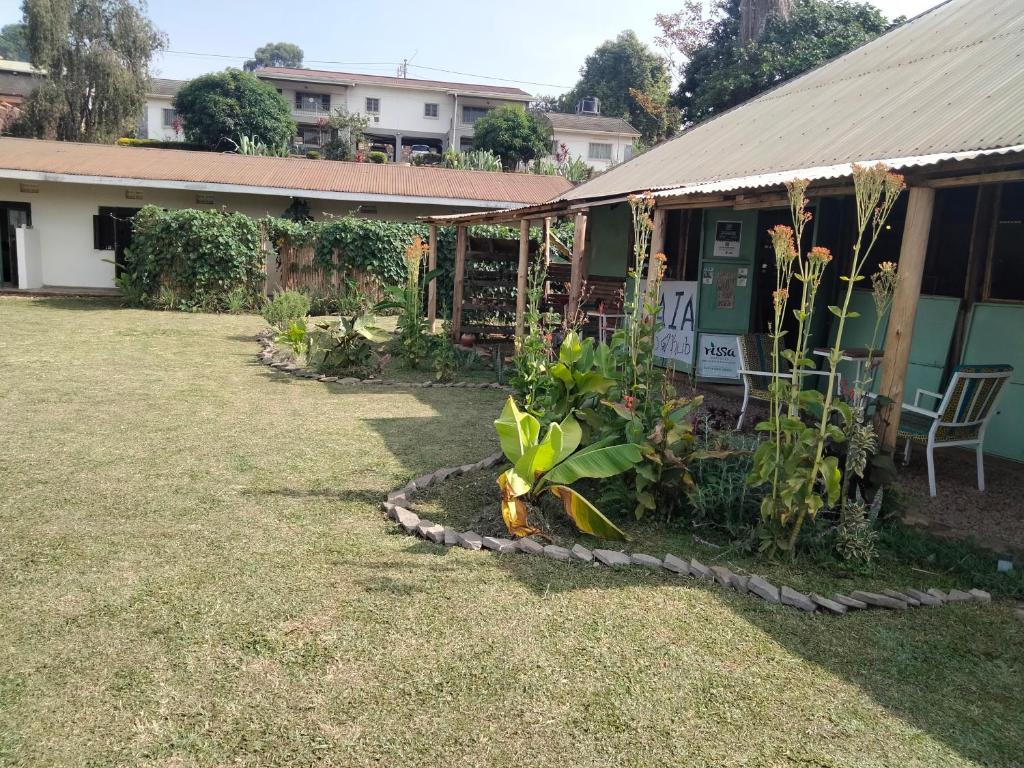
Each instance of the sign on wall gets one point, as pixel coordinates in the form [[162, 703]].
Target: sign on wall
[[727, 239], [677, 314], [718, 356]]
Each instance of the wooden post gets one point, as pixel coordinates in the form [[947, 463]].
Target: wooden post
[[900, 332], [432, 286], [657, 243], [579, 240], [521, 277], [460, 268], [545, 252]]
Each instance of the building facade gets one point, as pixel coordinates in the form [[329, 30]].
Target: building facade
[[160, 121], [601, 141], [403, 112]]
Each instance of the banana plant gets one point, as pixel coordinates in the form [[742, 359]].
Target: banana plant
[[550, 462], [577, 380]]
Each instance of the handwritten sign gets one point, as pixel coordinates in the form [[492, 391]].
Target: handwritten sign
[[677, 313], [718, 356]]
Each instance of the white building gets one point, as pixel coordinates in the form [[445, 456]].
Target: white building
[[65, 208], [601, 141], [160, 121], [402, 111]]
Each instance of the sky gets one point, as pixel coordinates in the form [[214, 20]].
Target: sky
[[533, 44]]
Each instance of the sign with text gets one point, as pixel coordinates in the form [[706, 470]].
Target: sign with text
[[728, 235], [677, 314], [718, 356]]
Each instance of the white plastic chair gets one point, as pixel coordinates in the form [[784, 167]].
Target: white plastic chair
[[755, 356], [961, 418]]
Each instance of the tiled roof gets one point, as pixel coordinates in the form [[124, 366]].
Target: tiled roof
[[947, 81], [159, 86], [589, 123], [296, 175], [343, 78]]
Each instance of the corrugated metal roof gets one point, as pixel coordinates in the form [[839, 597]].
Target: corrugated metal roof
[[341, 78], [950, 80], [161, 86], [590, 123], [298, 174]]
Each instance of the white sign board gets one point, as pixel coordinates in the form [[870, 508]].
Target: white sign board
[[677, 315], [728, 235], [718, 356]]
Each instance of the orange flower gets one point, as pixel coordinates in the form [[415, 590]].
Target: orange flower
[[820, 253]]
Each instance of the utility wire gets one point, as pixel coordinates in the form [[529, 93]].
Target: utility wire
[[378, 64]]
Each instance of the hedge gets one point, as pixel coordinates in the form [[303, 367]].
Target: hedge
[[206, 255]]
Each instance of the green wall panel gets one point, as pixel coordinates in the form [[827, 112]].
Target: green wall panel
[[994, 335], [610, 228]]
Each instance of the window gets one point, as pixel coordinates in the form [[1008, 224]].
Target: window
[[310, 136], [313, 102], [430, 110], [471, 114], [112, 227], [372, 105], [1006, 269], [169, 116], [599, 151]]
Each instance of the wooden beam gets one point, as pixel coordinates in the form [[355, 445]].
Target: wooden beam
[[521, 276], [460, 269], [579, 240], [978, 178], [432, 285], [899, 336]]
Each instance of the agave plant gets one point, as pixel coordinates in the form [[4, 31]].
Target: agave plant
[[551, 463]]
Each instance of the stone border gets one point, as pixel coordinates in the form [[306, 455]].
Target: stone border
[[266, 357], [718, 575]]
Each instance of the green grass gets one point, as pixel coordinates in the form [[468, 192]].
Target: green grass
[[194, 572]]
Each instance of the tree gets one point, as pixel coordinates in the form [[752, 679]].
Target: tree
[[345, 134], [96, 54], [513, 134], [632, 82], [226, 105], [14, 42], [276, 55], [718, 72]]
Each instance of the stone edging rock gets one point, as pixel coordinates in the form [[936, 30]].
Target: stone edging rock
[[266, 356], [839, 604]]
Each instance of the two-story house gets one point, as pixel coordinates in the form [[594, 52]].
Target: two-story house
[[601, 141], [403, 111]]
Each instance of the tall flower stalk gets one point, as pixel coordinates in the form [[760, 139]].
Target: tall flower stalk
[[803, 479]]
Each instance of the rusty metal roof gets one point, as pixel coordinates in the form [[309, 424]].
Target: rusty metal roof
[[349, 78], [950, 80], [274, 175], [590, 123]]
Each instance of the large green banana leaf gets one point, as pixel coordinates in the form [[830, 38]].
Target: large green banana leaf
[[605, 461], [587, 517], [558, 443], [365, 327], [516, 430]]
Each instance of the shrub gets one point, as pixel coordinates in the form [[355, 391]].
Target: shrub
[[296, 338], [432, 158], [201, 256], [312, 155], [347, 346], [378, 157], [286, 308], [158, 144]]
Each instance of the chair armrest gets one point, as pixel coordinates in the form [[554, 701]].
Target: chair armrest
[[921, 411], [766, 374], [929, 393]]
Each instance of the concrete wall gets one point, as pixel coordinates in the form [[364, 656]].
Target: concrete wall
[[154, 119], [63, 224], [579, 142]]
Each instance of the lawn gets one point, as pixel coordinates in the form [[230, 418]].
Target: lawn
[[195, 572]]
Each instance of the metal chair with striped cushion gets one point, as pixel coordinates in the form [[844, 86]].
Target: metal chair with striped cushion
[[755, 370], [962, 416]]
